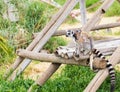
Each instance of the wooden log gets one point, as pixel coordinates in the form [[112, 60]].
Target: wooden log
[[100, 45], [105, 26], [51, 58], [54, 59], [83, 12], [107, 43], [102, 74], [102, 26], [51, 69], [65, 11]]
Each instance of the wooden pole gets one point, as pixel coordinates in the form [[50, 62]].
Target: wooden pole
[[48, 73], [51, 58], [83, 12], [55, 59], [102, 74], [106, 47], [102, 26], [105, 26]]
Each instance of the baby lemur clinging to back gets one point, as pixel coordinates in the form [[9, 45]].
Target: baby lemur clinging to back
[[84, 44]]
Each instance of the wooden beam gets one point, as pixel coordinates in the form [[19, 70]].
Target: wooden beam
[[45, 76], [83, 11], [44, 57], [106, 47], [51, 58], [99, 27], [105, 26], [102, 74]]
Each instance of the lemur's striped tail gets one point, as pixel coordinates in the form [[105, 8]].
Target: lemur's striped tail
[[109, 67]]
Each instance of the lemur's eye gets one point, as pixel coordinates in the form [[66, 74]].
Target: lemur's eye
[[77, 30], [68, 33], [72, 32]]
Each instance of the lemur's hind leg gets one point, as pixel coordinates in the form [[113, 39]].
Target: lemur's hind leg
[[78, 52]]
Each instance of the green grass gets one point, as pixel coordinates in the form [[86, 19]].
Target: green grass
[[19, 85], [71, 79], [114, 10], [55, 42]]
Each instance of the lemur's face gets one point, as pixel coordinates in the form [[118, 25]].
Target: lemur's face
[[70, 33], [73, 34]]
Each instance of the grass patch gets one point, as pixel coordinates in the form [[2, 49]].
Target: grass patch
[[72, 78], [18, 85], [54, 42], [75, 79], [114, 10]]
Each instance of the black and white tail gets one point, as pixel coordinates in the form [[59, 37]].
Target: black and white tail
[[109, 67]]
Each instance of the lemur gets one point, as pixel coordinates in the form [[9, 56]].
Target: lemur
[[83, 42], [82, 39]]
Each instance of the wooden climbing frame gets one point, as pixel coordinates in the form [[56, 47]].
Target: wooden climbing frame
[[23, 59]]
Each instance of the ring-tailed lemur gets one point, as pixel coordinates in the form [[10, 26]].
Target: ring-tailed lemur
[[83, 42], [82, 38]]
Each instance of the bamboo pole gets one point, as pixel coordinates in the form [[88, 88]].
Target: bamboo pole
[[45, 38], [102, 74], [97, 27]]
